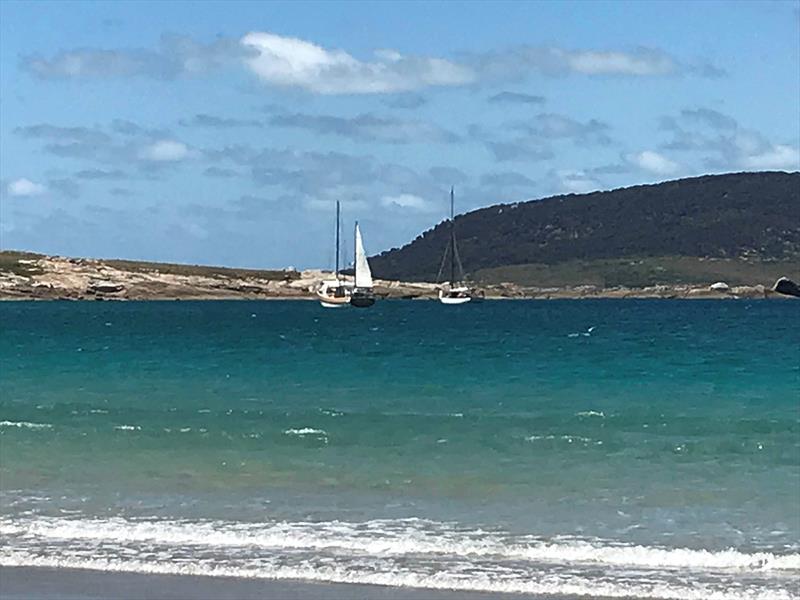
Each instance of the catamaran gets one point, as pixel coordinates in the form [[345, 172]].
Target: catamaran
[[333, 293], [362, 296], [454, 291]]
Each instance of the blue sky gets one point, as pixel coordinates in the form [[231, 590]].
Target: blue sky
[[222, 133]]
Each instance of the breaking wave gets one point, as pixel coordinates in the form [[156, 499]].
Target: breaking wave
[[25, 425], [403, 552]]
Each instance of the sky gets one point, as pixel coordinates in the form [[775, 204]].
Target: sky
[[224, 133]]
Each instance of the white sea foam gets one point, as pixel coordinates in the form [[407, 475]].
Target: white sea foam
[[128, 427], [396, 538], [590, 413], [306, 431], [570, 439], [331, 413], [25, 425], [547, 584]]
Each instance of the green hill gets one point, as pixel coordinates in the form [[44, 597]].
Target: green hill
[[741, 226]]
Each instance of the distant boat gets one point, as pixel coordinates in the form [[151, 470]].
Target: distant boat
[[455, 291], [362, 296], [334, 293]]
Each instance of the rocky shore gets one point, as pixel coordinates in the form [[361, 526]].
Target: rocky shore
[[40, 277]]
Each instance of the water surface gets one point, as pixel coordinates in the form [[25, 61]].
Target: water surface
[[646, 448]]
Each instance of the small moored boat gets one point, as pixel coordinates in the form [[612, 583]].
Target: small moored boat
[[454, 291], [334, 293], [363, 295]]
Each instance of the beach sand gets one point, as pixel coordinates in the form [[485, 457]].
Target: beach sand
[[26, 583]]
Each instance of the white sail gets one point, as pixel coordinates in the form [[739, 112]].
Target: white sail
[[363, 274]]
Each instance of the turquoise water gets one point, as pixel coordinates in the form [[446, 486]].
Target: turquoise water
[[496, 446]]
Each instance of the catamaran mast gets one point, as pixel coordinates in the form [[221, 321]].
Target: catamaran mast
[[452, 241], [337, 241]]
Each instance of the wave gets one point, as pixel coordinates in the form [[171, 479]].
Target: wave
[[547, 585], [127, 427], [25, 424], [306, 431], [591, 413], [330, 412], [414, 553], [565, 437], [397, 538]]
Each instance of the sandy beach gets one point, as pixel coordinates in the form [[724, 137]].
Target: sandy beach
[[24, 583]]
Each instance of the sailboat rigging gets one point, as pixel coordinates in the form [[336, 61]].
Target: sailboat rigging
[[455, 291], [333, 293], [363, 295]]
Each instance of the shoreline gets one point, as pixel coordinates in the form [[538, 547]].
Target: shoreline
[[520, 294], [37, 277], [564, 294], [22, 582]]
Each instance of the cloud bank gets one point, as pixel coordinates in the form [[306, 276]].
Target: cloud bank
[[290, 62], [725, 143], [367, 127], [175, 56]]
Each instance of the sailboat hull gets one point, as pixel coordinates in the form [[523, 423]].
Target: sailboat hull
[[332, 294], [456, 295], [446, 300], [329, 304], [362, 300], [363, 296]]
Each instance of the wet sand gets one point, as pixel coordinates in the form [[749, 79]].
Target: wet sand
[[27, 583]]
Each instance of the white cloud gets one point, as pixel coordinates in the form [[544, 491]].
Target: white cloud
[[520, 61], [25, 187], [653, 162], [292, 62], [644, 62], [407, 202], [327, 203], [576, 182], [175, 56], [368, 127], [732, 146], [776, 157], [165, 151]]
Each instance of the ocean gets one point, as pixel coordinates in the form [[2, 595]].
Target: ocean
[[609, 448]]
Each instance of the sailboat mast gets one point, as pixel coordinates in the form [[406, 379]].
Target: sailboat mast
[[452, 240], [337, 241], [355, 256]]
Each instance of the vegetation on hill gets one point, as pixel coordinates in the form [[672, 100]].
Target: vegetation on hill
[[751, 217], [200, 270], [23, 263], [644, 272], [19, 263]]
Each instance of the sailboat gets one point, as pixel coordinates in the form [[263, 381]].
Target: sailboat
[[362, 296], [333, 293], [455, 292]]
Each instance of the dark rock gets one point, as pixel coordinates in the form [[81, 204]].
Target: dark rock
[[105, 287], [786, 286]]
